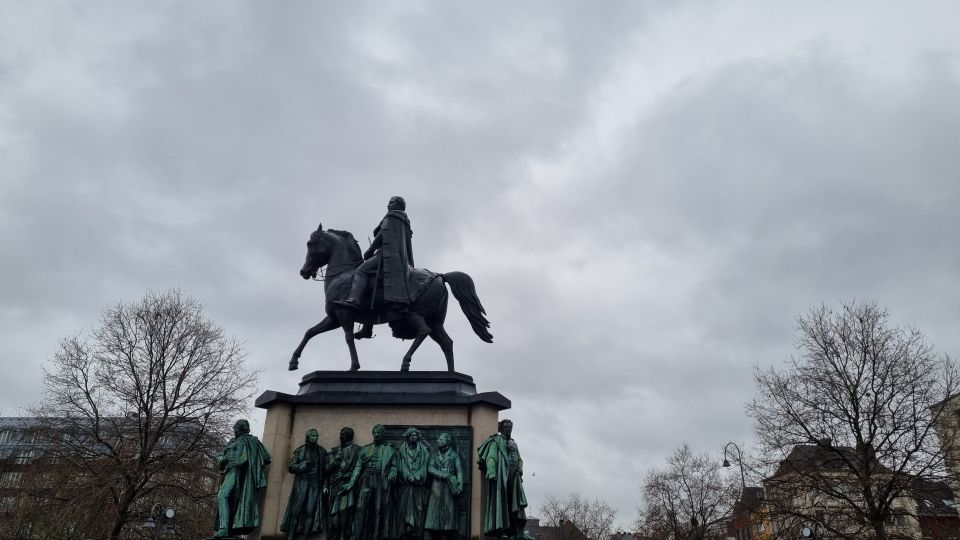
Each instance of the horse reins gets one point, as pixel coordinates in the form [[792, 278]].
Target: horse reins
[[324, 275]]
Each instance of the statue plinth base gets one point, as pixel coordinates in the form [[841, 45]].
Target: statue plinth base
[[435, 401]]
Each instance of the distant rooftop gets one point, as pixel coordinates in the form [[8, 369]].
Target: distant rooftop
[[817, 457], [934, 498]]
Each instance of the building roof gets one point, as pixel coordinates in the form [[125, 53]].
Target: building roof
[[621, 535], [543, 532], [821, 458], [934, 498], [943, 401], [18, 422], [15, 432], [15, 439]]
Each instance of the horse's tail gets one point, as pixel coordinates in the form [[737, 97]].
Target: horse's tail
[[464, 291]]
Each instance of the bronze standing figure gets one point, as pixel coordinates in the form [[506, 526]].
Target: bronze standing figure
[[372, 477], [447, 472], [305, 506], [505, 503], [412, 490], [340, 467], [243, 474]]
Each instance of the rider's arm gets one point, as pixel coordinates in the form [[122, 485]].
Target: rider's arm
[[374, 246]]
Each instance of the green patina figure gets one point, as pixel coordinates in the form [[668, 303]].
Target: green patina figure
[[243, 473], [412, 491], [305, 506], [447, 473], [340, 467], [504, 513], [372, 476]]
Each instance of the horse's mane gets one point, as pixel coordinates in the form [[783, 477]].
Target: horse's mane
[[352, 245]]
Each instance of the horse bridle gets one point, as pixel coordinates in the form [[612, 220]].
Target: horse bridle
[[324, 275]]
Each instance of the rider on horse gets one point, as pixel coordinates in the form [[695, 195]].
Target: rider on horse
[[414, 301], [391, 256]]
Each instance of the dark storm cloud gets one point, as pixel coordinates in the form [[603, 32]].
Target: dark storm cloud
[[646, 196]]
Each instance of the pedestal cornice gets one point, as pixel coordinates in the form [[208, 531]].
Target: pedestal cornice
[[440, 388]]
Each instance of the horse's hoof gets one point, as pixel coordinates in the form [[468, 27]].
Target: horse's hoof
[[355, 367], [405, 366], [293, 365]]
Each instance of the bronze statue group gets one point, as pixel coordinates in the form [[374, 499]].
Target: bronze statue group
[[378, 492], [374, 492]]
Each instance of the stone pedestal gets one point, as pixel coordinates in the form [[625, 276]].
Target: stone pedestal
[[329, 400]]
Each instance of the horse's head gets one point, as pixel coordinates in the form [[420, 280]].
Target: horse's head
[[318, 254], [335, 248]]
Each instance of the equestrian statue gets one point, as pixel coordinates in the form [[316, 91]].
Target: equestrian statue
[[382, 286]]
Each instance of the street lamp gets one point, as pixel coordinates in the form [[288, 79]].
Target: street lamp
[[163, 523], [726, 462]]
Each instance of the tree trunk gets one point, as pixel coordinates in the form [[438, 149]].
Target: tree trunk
[[880, 529], [122, 515]]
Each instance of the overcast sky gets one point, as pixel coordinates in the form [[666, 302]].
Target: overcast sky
[[647, 194]]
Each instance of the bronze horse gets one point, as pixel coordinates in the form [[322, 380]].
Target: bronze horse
[[340, 253]]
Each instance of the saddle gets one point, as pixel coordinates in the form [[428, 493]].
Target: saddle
[[396, 316], [418, 279]]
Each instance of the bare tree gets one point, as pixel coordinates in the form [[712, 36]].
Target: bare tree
[[848, 424], [595, 518], [689, 499], [134, 413]]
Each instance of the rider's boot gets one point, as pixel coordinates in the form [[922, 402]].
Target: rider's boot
[[365, 333], [356, 292]]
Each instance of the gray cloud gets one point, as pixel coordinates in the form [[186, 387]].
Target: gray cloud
[[646, 196]]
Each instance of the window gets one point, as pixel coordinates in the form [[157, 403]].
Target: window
[[5, 436], [26, 456], [10, 479]]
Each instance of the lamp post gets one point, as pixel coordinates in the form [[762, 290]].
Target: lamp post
[[726, 463], [163, 524], [743, 481]]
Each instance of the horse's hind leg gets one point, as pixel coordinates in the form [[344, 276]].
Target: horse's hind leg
[[421, 334], [323, 326], [446, 344]]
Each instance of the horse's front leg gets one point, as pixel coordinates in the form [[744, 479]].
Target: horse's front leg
[[346, 322], [321, 327]]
